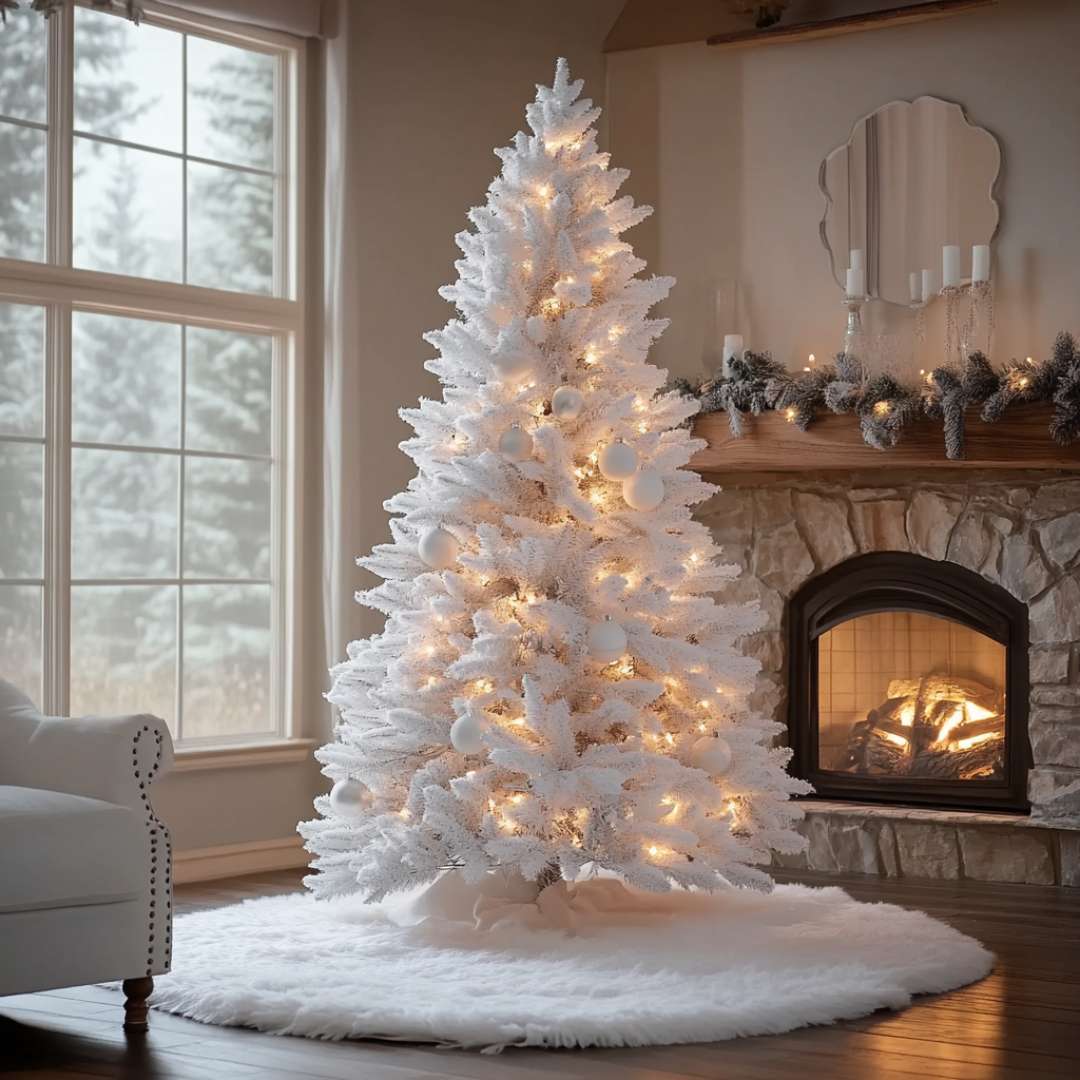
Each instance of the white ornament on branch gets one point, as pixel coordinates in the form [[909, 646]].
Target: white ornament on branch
[[349, 798], [606, 640], [511, 363], [467, 734], [711, 753], [567, 403], [644, 490], [618, 461], [438, 548], [516, 443]]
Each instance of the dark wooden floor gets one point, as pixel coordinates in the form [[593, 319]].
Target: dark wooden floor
[[1023, 1021]]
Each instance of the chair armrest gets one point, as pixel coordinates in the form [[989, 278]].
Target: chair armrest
[[110, 758]]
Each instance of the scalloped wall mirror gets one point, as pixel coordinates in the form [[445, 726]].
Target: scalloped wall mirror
[[913, 177]]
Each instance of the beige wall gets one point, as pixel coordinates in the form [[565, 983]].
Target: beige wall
[[432, 88], [726, 145]]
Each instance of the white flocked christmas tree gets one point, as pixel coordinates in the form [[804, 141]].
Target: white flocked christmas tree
[[556, 688]]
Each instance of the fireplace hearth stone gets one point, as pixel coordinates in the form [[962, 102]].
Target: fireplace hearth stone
[[1017, 530]]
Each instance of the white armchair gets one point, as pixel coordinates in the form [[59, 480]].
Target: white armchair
[[85, 866]]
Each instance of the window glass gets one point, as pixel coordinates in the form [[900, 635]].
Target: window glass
[[230, 99], [125, 380], [128, 217], [20, 637], [226, 660], [123, 514], [129, 81], [22, 192], [22, 355], [123, 650], [228, 391], [22, 73], [21, 505]]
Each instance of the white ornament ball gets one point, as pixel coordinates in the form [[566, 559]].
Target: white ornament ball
[[511, 364], [350, 798], [618, 461], [606, 641], [516, 443], [712, 754], [467, 734], [567, 403], [438, 548], [644, 490]]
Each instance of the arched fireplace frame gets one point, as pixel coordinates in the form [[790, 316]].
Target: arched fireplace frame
[[898, 581]]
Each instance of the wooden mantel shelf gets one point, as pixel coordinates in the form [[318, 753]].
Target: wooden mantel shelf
[[834, 442]]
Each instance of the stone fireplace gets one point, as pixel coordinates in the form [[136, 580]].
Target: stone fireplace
[[921, 649]]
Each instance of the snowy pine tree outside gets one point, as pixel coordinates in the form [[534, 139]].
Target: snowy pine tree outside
[[556, 686]]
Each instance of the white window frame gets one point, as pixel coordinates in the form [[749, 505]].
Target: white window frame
[[63, 289]]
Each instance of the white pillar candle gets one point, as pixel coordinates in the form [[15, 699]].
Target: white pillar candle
[[856, 281], [950, 266], [980, 263], [914, 284], [855, 259], [733, 346], [929, 284]]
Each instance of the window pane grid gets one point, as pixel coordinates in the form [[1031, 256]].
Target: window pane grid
[[173, 451], [17, 121], [177, 155], [232, 620]]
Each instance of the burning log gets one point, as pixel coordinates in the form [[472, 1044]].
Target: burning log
[[937, 727]]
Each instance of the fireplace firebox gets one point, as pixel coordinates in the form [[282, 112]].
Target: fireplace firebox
[[909, 685]]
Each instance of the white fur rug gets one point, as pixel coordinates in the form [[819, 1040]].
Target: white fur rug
[[593, 964]]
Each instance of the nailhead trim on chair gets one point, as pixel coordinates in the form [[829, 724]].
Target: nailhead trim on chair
[[157, 830]]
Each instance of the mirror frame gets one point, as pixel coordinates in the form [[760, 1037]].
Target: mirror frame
[[838, 271]]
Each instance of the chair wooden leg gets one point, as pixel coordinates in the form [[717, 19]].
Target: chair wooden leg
[[136, 991]]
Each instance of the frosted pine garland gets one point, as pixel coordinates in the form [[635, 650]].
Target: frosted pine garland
[[583, 761]]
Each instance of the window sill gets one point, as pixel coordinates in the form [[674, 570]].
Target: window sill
[[240, 755]]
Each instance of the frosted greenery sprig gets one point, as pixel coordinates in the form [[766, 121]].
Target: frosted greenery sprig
[[130, 8], [885, 406]]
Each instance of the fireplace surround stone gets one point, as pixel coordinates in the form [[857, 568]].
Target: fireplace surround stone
[[1018, 530]]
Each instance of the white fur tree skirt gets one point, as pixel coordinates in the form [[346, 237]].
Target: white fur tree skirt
[[593, 964]]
